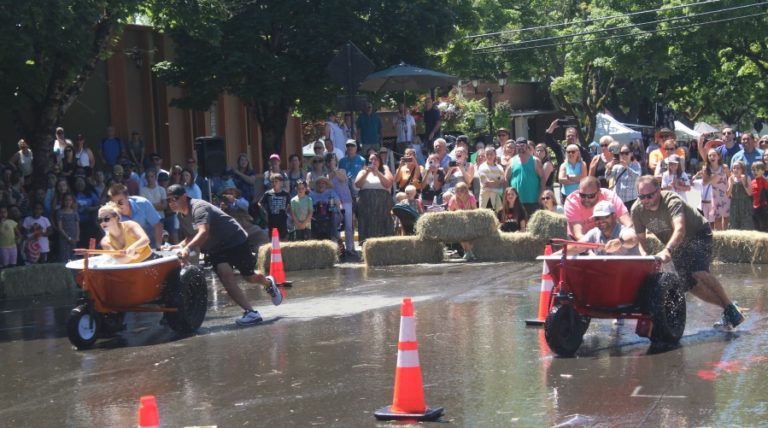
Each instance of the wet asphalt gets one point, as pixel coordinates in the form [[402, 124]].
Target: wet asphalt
[[326, 357]]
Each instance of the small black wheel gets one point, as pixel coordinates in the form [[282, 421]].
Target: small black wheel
[[82, 327], [564, 330], [667, 308], [186, 291]]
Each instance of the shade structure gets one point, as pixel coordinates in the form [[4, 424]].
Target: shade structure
[[705, 128], [607, 125], [403, 77]]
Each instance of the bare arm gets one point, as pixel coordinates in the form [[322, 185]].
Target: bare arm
[[678, 223]]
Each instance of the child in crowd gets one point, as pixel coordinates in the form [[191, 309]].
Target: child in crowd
[[9, 236], [301, 212], [413, 202], [37, 229], [277, 203], [675, 179], [326, 214], [463, 200], [68, 225], [513, 216], [759, 197], [740, 193]]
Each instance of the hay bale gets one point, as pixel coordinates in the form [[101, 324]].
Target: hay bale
[[301, 255], [401, 250], [547, 225], [502, 246], [455, 226], [740, 246], [51, 279]]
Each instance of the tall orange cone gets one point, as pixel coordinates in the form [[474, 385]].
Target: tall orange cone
[[276, 262], [408, 401], [148, 415], [545, 295]]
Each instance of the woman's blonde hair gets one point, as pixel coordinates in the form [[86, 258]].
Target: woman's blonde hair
[[111, 208]]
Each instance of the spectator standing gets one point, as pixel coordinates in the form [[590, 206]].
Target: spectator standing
[[277, 203], [325, 217], [87, 200], [59, 144], [715, 175], [441, 150], [340, 184], [432, 121], [525, 174], [368, 131], [624, 174], [740, 193], [513, 215], [759, 200], [317, 170], [375, 201], [301, 212], [549, 203], [458, 171], [657, 159], [294, 173], [749, 152], [599, 163], [9, 236], [111, 148], [244, 177], [729, 148], [547, 167], [405, 127], [675, 178], [330, 148], [409, 171], [463, 200], [491, 181], [68, 227], [22, 161], [207, 228], [84, 155], [140, 210], [274, 168], [656, 149], [155, 193], [37, 228], [334, 133], [135, 151], [432, 184], [352, 163]]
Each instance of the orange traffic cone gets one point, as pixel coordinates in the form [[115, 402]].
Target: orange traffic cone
[[276, 262], [545, 295], [148, 416], [408, 401]]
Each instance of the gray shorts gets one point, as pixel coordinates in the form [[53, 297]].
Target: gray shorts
[[693, 255]]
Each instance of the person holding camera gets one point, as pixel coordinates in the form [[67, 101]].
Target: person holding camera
[[604, 161], [458, 171], [571, 137], [409, 171], [374, 200], [432, 184]]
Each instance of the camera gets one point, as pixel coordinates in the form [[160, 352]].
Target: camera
[[567, 121], [452, 163], [407, 159]]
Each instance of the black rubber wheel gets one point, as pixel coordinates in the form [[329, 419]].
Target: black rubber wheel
[[667, 307], [564, 330], [83, 327], [186, 291]]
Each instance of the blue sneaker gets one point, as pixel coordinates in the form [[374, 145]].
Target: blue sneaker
[[249, 318], [274, 291], [732, 317]]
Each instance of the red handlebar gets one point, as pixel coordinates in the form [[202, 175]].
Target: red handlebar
[[568, 243]]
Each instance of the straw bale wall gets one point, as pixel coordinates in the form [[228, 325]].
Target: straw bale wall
[[51, 279], [401, 250], [455, 226], [301, 255]]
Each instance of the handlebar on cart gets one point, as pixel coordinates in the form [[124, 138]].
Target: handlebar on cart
[[569, 243], [95, 251]]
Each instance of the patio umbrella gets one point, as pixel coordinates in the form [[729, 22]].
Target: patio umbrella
[[403, 77]]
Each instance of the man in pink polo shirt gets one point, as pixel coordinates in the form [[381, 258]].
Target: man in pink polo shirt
[[579, 206]]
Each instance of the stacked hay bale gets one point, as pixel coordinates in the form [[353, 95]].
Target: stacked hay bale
[[456, 226], [301, 255], [401, 250], [547, 225], [740, 246], [51, 279], [502, 246]]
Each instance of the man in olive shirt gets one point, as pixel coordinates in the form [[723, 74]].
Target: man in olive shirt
[[688, 243]]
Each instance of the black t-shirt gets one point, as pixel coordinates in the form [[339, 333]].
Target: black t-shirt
[[431, 117], [224, 232]]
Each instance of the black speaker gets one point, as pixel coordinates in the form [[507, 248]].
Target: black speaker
[[211, 156]]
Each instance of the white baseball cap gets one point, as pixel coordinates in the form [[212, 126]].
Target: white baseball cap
[[603, 209]]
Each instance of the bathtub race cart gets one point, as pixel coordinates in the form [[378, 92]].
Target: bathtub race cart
[[110, 290], [630, 287]]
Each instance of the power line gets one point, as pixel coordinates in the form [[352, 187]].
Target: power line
[[602, 18], [603, 30], [616, 36]]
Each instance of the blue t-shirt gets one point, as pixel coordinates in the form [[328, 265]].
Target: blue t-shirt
[[747, 159], [726, 154], [144, 213], [111, 149], [352, 165], [370, 128]]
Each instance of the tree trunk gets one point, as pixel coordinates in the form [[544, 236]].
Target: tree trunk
[[272, 118]]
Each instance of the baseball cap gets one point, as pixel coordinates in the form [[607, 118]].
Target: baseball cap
[[674, 159], [274, 156], [176, 190], [521, 140], [602, 209], [351, 142]]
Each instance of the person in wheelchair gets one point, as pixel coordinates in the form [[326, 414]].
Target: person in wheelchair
[[325, 217]]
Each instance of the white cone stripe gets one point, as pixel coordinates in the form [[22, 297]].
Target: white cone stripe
[[277, 257], [407, 359], [407, 329], [547, 285]]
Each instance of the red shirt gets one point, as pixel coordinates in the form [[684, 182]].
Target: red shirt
[[758, 184]]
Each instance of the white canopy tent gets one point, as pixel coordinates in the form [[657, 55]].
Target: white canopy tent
[[704, 128], [683, 132], [607, 125]]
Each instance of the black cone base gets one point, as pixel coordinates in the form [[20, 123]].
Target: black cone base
[[386, 414]]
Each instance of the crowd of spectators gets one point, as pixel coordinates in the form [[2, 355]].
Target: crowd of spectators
[[341, 190]]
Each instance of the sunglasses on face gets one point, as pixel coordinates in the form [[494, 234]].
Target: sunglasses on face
[[587, 195], [727, 133], [645, 196], [624, 153], [105, 219], [601, 218], [603, 145], [572, 152], [670, 147], [546, 198]]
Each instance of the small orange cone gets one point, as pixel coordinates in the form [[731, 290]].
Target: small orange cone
[[545, 295], [148, 416], [408, 401], [276, 262]]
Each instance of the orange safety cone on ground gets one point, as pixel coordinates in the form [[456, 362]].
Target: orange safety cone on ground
[[545, 295], [276, 262], [408, 401], [148, 416]]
